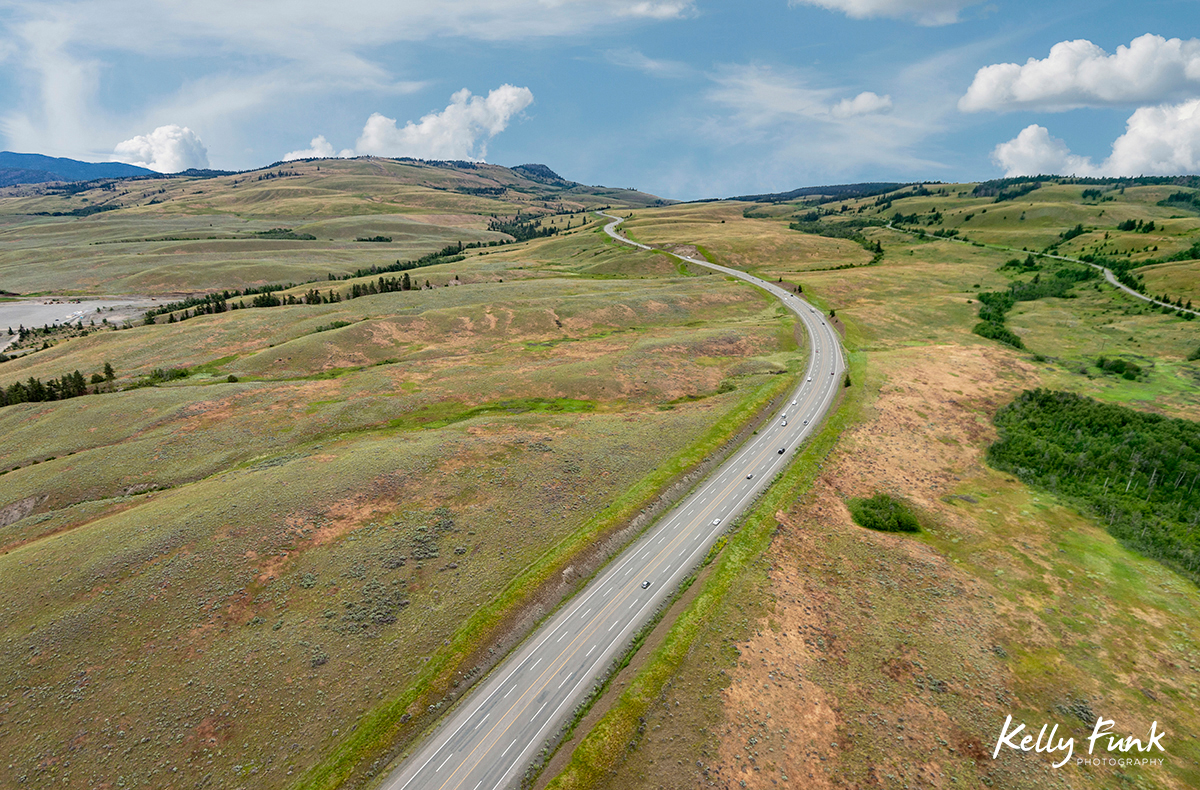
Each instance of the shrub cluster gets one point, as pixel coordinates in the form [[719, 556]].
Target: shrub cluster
[[884, 513], [1122, 367]]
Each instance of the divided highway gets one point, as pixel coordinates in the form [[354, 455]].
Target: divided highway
[[498, 730]]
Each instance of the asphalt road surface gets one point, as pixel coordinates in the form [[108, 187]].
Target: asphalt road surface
[[494, 734]]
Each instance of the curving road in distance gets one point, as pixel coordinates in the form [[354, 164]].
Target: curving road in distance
[[1109, 276], [495, 733]]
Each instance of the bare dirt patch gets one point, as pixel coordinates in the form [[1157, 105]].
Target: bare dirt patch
[[845, 684], [15, 511]]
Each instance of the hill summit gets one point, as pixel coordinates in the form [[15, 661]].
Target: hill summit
[[36, 169]]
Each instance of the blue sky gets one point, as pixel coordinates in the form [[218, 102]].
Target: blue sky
[[682, 98]]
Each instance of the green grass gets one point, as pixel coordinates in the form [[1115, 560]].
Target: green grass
[[378, 730], [888, 600], [757, 246], [445, 413], [540, 402], [206, 234], [1180, 279], [211, 546]]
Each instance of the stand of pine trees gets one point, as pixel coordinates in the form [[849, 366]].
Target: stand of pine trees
[[265, 296], [1136, 472], [71, 385]]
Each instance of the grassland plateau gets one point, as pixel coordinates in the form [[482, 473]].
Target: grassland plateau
[[387, 415]]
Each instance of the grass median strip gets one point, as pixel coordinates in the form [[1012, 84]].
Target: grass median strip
[[603, 748]]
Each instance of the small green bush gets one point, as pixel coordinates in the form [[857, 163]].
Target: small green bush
[[1122, 367], [884, 513], [160, 376], [171, 374]]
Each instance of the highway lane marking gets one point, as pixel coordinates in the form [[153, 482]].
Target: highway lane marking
[[568, 677], [535, 691], [517, 668], [445, 761], [628, 570], [573, 651], [584, 674]]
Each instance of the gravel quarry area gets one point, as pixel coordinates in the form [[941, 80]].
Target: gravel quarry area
[[58, 310]]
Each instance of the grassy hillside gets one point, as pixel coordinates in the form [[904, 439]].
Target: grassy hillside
[[163, 235], [289, 547], [844, 657]]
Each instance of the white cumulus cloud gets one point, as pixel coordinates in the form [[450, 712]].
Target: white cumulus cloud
[[1161, 140], [923, 12], [168, 149], [318, 148], [461, 131], [59, 54], [1152, 69], [1034, 152], [864, 103]]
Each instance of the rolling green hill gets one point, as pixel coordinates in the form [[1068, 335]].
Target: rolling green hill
[[1055, 588], [350, 503], [165, 235]]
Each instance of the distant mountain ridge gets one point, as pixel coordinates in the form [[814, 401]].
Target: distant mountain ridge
[[34, 168], [836, 191], [508, 195], [11, 176]]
